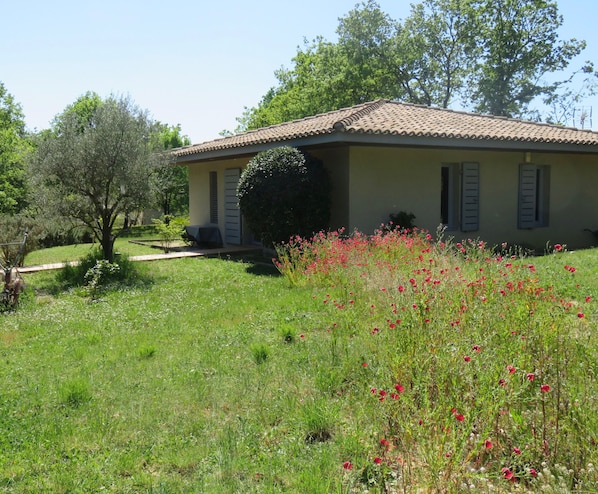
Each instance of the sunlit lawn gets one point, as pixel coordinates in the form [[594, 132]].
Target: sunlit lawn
[[74, 252], [385, 373]]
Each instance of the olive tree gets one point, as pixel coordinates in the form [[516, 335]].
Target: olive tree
[[94, 166], [284, 192]]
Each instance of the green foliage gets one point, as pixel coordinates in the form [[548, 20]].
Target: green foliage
[[14, 148], [491, 55], [58, 231], [433, 51], [260, 352], [147, 351], [402, 220], [519, 45], [83, 110], [95, 272], [12, 232], [201, 416], [99, 275], [328, 76], [95, 166], [318, 420], [75, 392], [170, 230], [170, 183], [284, 192]]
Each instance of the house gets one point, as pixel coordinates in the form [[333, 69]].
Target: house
[[493, 178]]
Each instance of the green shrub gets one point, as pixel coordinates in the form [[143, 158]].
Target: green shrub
[[401, 220], [170, 230], [88, 267], [100, 275], [284, 192]]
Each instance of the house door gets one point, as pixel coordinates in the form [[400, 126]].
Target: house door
[[232, 213]]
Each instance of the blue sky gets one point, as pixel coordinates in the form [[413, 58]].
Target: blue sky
[[192, 63]]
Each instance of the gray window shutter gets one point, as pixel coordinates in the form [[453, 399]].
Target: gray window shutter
[[470, 197], [232, 213], [526, 217]]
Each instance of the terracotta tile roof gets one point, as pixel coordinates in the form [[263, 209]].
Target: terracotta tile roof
[[391, 118]]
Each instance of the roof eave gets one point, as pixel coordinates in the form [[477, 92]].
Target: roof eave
[[391, 140]]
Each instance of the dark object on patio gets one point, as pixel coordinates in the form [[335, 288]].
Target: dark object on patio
[[204, 236]]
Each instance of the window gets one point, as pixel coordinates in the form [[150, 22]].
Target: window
[[214, 197], [534, 186], [459, 199]]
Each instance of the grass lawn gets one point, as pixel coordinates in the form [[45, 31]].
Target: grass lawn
[[122, 244], [378, 370]]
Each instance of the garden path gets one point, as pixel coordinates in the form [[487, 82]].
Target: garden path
[[192, 252]]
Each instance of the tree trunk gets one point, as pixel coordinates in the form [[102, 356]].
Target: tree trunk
[[107, 245]]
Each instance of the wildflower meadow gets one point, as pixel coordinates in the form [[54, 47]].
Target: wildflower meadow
[[479, 373], [402, 362]]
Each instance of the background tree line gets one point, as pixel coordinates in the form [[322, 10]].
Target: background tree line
[[501, 57], [100, 162]]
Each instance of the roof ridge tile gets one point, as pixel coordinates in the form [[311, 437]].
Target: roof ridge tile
[[342, 124]]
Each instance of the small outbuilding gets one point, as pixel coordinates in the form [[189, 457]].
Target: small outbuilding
[[493, 178]]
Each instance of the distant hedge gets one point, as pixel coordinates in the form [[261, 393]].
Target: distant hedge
[[284, 192]]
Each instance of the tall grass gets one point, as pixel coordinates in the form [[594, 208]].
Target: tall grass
[[482, 375], [389, 364]]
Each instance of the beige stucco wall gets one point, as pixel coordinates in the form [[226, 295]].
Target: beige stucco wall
[[388, 180], [369, 183], [199, 189]]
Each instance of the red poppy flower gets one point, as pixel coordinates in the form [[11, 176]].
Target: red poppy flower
[[507, 473], [511, 369], [347, 465], [545, 388], [581, 315], [459, 417], [399, 388], [488, 444], [377, 460], [532, 472], [467, 358], [517, 451], [530, 376]]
